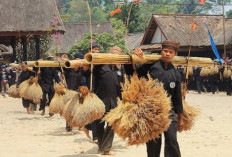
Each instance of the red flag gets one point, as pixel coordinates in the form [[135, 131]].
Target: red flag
[[202, 1], [137, 1], [194, 26], [115, 11]]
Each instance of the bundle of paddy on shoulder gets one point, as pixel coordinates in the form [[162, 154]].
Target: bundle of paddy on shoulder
[[214, 70], [90, 108], [190, 71], [30, 89], [144, 112], [205, 71], [57, 102], [227, 73], [190, 114], [13, 92]]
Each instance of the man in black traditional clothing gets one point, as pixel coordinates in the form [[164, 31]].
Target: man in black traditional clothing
[[164, 71], [46, 81], [107, 87], [25, 75]]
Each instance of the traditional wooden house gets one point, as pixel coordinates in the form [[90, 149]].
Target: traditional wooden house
[[24, 19], [178, 28], [74, 32]]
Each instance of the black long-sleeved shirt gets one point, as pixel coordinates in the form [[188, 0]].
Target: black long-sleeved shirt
[[170, 78], [47, 76], [74, 79], [106, 85], [24, 75]]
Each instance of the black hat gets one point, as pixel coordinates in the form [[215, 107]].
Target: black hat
[[50, 57], [170, 44], [79, 55]]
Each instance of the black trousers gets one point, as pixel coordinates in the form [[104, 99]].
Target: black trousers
[[105, 136], [198, 84], [26, 103], [171, 148], [44, 99]]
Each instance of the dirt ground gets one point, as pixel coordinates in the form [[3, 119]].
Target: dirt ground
[[23, 135]]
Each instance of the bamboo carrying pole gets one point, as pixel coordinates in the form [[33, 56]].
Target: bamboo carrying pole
[[53, 64], [74, 63], [146, 59], [30, 63]]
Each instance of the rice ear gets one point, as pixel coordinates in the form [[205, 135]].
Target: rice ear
[[144, 112], [91, 109], [13, 92], [189, 116]]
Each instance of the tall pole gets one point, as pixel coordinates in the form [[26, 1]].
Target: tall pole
[[224, 34]]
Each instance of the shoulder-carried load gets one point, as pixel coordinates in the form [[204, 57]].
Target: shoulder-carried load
[[144, 112], [189, 116], [13, 92], [227, 73]]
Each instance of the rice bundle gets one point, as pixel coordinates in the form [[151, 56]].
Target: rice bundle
[[190, 71], [70, 108], [30, 89], [59, 89], [214, 70], [13, 92], [144, 112], [205, 71], [189, 116], [22, 88], [57, 102], [69, 94], [227, 73], [90, 108]]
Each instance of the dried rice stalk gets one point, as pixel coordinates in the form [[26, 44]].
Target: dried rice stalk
[[227, 73], [91, 109], [34, 92], [59, 89], [13, 92], [22, 87], [189, 116], [70, 108], [190, 72], [205, 71], [144, 112], [57, 104], [69, 94], [214, 70]]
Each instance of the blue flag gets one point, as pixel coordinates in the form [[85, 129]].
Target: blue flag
[[213, 44]]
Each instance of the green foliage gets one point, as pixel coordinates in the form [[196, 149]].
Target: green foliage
[[98, 15], [229, 14], [193, 7], [105, 41]]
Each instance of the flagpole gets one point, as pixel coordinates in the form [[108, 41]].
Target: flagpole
[[224, 34]]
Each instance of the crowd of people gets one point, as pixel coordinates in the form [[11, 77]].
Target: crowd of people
[[106, 85]]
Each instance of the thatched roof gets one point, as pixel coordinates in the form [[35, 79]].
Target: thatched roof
[[74, 32], [24, 17], [178, 28], [133, 40]]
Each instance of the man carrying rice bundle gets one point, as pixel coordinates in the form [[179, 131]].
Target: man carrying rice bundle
[[164, 71], [47, 75], [23, 76], [107, 87], [74, 79]]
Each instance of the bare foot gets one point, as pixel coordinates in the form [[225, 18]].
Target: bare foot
[[28, 110], [86, 131], [95, 141], [43, 112], [32, 109], [107, 153], [99, 151]]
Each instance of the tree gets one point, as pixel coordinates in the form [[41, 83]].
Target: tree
[[104, 40], [98, 15], [193, 7], [229, 14]]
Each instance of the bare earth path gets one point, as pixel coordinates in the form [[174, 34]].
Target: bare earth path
[[23, 135]]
